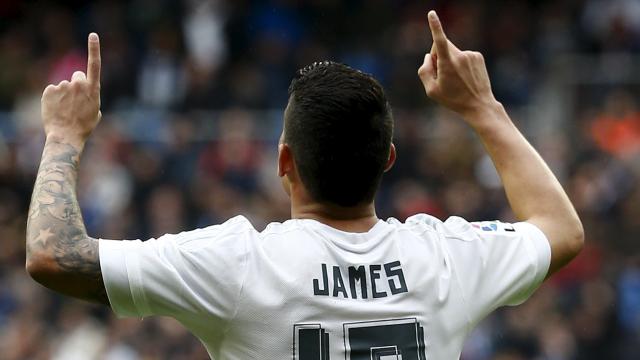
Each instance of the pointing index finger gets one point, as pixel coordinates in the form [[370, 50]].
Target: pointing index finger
[[93, 60], [440, 41]]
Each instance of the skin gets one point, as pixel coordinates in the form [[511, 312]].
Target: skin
[[60, 254], [459, 81], [62, 257]]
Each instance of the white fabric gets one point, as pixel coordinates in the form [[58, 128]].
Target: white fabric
[[262, 295]]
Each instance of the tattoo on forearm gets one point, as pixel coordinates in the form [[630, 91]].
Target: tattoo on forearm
[[55, 227]]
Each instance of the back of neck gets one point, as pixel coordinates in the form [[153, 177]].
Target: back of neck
[[359, 218]]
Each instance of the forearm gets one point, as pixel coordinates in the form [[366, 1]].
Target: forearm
[[60, 254], [533, 192]]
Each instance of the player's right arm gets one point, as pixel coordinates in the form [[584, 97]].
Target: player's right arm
[[459, 81]]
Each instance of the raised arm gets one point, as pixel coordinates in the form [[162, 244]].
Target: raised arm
[[459, 81], [60, 254]]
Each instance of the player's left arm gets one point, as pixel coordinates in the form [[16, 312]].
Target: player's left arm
[[60, 254]]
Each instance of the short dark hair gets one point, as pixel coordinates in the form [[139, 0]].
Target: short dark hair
[[339, 127]]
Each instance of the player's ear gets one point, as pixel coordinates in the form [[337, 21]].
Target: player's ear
[[285, 160], [392, 158]]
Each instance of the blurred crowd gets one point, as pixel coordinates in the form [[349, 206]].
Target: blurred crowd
[[192, 97]]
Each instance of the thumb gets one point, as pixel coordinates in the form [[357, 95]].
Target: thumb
[[427, 70]]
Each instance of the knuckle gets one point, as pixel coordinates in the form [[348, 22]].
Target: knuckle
[[468, 57], [431, 89]]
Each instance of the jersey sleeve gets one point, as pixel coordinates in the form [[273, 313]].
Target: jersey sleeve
[[189, 276], [496, 263]]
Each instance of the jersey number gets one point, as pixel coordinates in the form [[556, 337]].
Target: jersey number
[[399, 339]]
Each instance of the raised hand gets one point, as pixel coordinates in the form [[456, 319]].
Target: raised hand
[[71, 109], [454, 78]]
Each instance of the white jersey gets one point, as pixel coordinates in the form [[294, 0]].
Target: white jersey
[[303, 290]]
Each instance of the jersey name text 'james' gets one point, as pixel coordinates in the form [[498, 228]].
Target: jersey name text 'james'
[[377, 287]]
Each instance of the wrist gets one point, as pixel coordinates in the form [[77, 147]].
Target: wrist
[[486, 116], [77, 142]]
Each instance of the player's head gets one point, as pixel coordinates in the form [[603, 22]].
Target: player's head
[[338, 127]]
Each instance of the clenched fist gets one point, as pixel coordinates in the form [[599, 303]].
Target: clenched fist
[[71, 109], [454, 78]]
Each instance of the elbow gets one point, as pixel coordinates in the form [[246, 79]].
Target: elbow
[[40, 268], [575, 238]]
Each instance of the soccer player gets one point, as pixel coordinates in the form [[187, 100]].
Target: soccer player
[[335, 281]]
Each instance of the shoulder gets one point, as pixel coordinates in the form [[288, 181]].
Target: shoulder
[[236, 224], [424, 223], [453, 228], [233, 230]]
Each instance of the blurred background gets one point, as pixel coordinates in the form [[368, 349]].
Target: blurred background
[[193, 94]]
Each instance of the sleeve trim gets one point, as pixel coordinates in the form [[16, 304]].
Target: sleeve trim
[[541, 252], [115, 275]]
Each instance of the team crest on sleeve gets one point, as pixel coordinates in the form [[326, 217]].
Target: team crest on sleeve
[[493, 226]]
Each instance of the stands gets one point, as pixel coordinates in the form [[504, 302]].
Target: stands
[[193, 94]]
